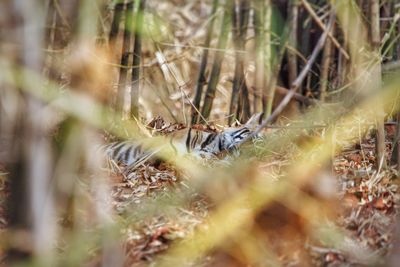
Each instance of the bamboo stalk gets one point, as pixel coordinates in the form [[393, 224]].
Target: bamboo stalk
[[394, 256], [387, 11], [114, 30], [239, 99], [305, 33], [375, 17], [244, 96], [244, 112], [244, 99], [342, 70], [376, 41], [259, 77], [326, 64], [18, 201], [395, 159], [201, 79], [219, 57], [305, 43], [269, 77], [235, 105], [51, 22], [123, 71], [30, 203], [136, 60], [112, 36], [274, 69], [291, 55]]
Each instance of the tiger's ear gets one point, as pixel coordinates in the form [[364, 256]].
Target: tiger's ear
[[255, 120]]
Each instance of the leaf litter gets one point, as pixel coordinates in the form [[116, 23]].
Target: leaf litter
[[369, 201]]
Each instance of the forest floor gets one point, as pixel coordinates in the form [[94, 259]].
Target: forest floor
[[369, 202], [368, 199]]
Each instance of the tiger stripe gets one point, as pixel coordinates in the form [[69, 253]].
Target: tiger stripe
[[196, 142]]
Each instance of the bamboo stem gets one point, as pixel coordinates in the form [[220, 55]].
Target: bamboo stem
[[326, 64], [245, 111], [259, 79], [268, 70], [219, 57], [276, 62], [292, 41], [118, 10], [395, 159], [201, 79], [239, 98], [136, 60], [30, 202], [123, 72], [50, 39], [376, 41]]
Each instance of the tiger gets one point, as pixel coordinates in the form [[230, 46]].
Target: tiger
[[200, 144]]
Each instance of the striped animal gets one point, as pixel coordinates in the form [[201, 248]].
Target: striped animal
[[199, 143]]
